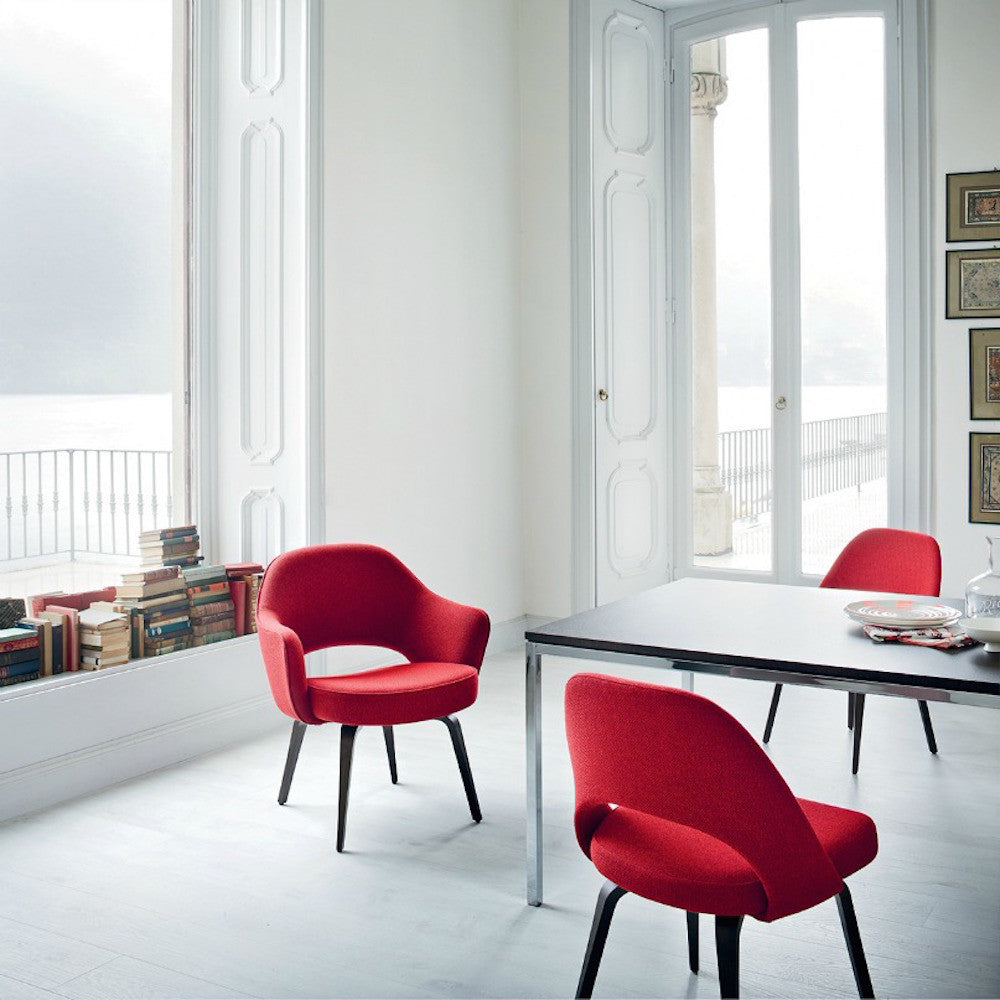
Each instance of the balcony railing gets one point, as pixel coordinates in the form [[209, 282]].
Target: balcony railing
[[837, 454], [80, 502]]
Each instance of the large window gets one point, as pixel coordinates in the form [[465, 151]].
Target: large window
[[787, 207], [92, 380]]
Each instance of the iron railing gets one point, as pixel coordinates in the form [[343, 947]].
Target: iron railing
[[81, 501], [837, 454]]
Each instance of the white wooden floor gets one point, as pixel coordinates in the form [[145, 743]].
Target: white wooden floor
[[193, 882]]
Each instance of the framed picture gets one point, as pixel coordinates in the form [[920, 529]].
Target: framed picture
[[972, 284], [984, 478], [984, 374], [974, 206]]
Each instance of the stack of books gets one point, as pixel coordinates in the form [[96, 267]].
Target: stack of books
[[241, 582], [19, 655], [170, 547], [253, 589], [48, 625], [104, 638], [157, 600], [210, 606]]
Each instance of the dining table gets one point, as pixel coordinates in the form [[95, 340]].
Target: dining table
[[761, 631]]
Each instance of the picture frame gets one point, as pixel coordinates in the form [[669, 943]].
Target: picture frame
[[984, 373], [984, 478], [972, 284], [973, 206]]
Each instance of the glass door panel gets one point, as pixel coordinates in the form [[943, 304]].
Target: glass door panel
[[731, 302], [842, 240]]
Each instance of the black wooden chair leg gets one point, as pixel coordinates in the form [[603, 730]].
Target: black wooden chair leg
[[859, 717], [294, 745], [727, 948], [692, 926], [849, 922], [347, 734], [462, 756], [607, 900], [850, 709], [925, 717], [772, 711], [390, 749]]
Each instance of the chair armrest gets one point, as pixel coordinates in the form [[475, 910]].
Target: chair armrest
[[286, 667], [444, 631]]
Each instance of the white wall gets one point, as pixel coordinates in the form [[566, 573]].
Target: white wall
[[546, 347], [421, 245], [965, 135]]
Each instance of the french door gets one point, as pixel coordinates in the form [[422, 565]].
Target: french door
[[785, 161]]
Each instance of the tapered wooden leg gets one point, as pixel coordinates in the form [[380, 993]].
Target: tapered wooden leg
[[772, 711], [859, 718], [390, 749], [849, 922], [692, 927], [925, 717], [850, 709], [347, 734], [727, 948], [294, 745], [462, 756], [607, 900]]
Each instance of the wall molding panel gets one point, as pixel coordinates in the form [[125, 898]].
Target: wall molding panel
[[263, 52], [258, 245], [261, 189]]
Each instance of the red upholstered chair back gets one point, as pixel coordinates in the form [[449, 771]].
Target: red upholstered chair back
[[890, 561], [681, 757], [355, 595]]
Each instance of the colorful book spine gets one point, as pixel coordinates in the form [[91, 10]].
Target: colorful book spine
[[156, 631], [20, 669], [18, 656], [20, 679]]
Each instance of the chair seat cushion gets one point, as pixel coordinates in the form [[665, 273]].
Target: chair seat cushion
[[390, 696], [691, 870]]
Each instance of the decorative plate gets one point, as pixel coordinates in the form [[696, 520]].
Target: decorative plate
[[901, 613]]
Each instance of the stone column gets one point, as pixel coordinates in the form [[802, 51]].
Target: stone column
[[713, 507]]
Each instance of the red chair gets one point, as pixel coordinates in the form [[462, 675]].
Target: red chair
[[676, 802], [360, 595], [888, 561]]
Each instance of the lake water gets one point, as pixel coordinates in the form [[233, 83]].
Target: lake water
[[144, 422]]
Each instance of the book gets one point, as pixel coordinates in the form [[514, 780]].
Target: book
[[7, 681], [206, 628], [37, 602], [102, 619], [79, 600], [150, 575], [22, 668], [14, 638], [214, 607], [18, 656], [175, 628], [177, 547], [71, 625], [155, 588], [96, 661], [180, 561], [11, 611], [201, 590], [204, 574], [236, 571], [205, 640], [60, 640], [154, 534], [43, 628], [238, 595]]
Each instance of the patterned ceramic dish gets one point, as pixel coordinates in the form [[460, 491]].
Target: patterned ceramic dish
[[901, 613]]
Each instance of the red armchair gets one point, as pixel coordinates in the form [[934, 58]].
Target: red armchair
[[888, 561], [676, 802], [347, 595]]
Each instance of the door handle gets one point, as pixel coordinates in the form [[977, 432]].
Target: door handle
[[602, 395]]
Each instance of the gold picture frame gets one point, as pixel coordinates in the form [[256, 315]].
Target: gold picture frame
[[973, 202], [984, 478], [984, 374], [972, 284]]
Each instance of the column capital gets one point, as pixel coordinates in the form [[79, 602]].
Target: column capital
[[708, 91]]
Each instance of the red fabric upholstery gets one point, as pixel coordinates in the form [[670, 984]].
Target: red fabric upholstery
[[347, 595], [887, 560], [390, 696], [703, 821]]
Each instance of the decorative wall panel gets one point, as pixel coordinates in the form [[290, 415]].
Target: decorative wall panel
[[262, 64], [262, 278], [633, 513], [262, 514], [629, 78], [631, 343]]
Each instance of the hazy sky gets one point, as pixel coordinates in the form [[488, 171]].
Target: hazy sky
[[85, 178]]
